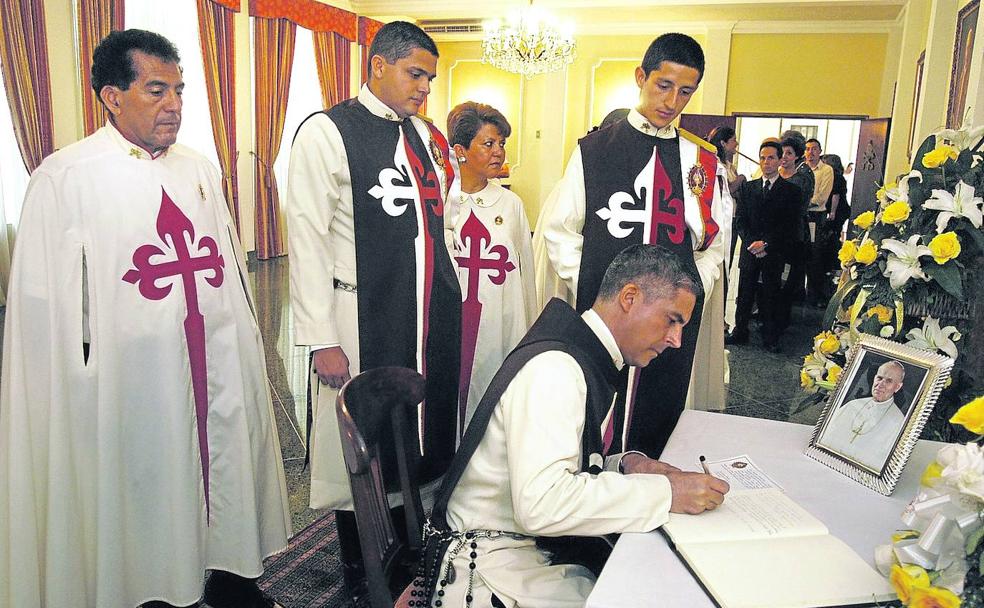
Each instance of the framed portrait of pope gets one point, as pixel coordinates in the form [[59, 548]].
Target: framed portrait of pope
[[876, 412]]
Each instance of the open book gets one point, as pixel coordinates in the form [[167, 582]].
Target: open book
[[762, 550]]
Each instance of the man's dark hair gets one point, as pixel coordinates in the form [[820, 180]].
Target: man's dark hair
[[112, 61], [657, 272], [771, 144], [816, 141], [718, 136], [397, 40], [466, 119], [835, 163], [678, 48], [797, 144]]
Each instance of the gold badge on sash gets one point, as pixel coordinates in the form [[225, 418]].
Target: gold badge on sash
[[436, 153], [697, 180]]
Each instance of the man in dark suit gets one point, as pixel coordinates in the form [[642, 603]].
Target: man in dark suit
[[767, 222]]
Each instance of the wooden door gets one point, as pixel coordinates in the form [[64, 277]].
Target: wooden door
[[869, 170]]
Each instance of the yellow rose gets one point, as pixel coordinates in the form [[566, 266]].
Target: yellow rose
[[882, 193], [827, 343], [884, 313], [846, 253], [906, 579], [939, 155], [896, 213], [931, 475], [806, 380], [865, 220], [866, 253], [933, 597], [945, 247], [971, 416], [834, 373]]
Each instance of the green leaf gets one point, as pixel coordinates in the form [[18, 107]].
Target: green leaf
[[948, 277], [807, 403], [980, 567], [974, 539], [835, 302]]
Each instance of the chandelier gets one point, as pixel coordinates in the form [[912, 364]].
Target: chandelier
[[528, 42]]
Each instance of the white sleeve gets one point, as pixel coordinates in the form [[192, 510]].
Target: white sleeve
[[527, 268], [563, 224], [543, 415], [313, 196]]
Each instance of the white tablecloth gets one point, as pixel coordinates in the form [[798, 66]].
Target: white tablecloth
[[644, 572]]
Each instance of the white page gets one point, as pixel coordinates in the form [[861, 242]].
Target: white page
[[746, 515], [786, 573], [740, 473]]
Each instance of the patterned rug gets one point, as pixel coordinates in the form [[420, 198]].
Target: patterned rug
[[308, 574]]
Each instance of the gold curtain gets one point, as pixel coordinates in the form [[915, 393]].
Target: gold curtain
[[95, 19], [24, 63], [333, 53], [273, 45], [217, 35]]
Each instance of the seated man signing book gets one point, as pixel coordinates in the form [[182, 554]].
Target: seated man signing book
[[543, 454]]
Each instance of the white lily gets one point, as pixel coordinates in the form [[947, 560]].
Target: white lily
[[903, 260], [933, 338], [962, 138], [963, 468], [962, 203], [900, 191]]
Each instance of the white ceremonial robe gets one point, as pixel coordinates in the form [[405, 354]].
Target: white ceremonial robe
[[525, 478], [548, 284], [864, 430], [102, 499], [321, 244], [509, 308]]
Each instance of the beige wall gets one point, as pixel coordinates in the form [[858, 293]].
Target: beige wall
[[551, 112]]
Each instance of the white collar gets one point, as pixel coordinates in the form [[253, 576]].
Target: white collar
[[376, 106], [128, 146], [486, 197], [641, 123], [604, 334]]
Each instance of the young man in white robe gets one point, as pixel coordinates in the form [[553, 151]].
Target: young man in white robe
[[542, 456], [641, 180], [372, 283], [138, 446]]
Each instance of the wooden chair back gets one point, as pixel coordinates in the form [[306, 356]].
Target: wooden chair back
[[377, 420]]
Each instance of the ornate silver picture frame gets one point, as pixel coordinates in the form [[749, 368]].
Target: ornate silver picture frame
[[873, 417]]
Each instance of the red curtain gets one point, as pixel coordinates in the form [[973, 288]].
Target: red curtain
[[24, 63], [273, 46], [95, 19], [217, 36], [367, 31], [333, 54]]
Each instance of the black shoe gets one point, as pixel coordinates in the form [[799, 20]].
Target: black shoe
[[228, 590], [736, 337]]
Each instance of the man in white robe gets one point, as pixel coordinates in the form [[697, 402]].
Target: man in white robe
[[642, 180], [539, 460], [866, 429], [138, 446], [371, 278]]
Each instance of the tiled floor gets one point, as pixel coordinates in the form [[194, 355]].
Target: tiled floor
[[763, 384]]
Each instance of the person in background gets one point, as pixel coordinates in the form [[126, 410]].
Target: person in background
[[138, 444], [726, 142], [770, 205], [818, 226], [793, 168], [838, 212], [492, 246]]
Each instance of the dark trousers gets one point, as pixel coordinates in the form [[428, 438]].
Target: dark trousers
[[817, 284], [769, 270]]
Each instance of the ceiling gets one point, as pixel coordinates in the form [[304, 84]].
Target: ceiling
[[612, 16]]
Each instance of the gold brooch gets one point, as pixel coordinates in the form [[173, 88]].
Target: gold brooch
[[697, 180], [436, 153], [135, 153], [498, 220]]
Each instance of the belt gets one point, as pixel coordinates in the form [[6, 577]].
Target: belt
[[344, 286]]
